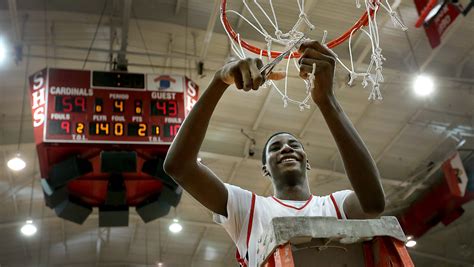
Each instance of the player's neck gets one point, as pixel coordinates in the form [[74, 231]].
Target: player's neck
[[299, 192]]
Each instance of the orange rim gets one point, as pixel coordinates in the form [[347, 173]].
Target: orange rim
[[363, 21]]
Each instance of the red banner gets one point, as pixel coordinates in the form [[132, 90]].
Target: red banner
[[455, 175], [440, 22]]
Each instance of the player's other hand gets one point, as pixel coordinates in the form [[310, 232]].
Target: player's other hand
[[245, 73], [315, 53]]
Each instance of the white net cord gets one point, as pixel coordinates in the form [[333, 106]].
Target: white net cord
[[373, 73]]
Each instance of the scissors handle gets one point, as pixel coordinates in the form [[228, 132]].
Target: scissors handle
[[267, 69]]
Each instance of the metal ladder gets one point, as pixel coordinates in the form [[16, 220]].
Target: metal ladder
[[327, 241]]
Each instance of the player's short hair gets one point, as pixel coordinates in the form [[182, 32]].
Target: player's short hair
[[264, 152]]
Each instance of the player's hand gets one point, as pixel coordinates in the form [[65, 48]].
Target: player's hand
[[245, 74], [314, 52]]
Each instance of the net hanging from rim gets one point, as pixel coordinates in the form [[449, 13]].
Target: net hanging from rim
[[372, 74]]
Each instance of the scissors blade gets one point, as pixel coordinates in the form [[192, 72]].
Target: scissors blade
[[267, 69]]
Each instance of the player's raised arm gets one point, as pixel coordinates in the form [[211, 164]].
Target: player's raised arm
[[369, 198], [181, 161]]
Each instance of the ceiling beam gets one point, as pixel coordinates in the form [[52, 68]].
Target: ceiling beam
[[411, 57], [158, 236], [15, 204], [181, 68], [462, 64], [463, 60], [239, 19], [235, 168], [450, 32], [133, 216], [177, 7], [169, 53], [263, 109], [308, 122], [435, 257], [397, 136], [52, 40], [132, 236], [229, 255], [309, 4], [98, 247], [64, 236], [217, 156], [427, 156], [14, 21], [107, 235], [122, 55], [441, 112], [112, 32], [438, 165], [255, 126], [413, 188], [101, 232], [443, 80], [11, 191], [198, 245], [135, 53], [210, 29]]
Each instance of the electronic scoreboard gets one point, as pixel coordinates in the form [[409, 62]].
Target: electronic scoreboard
[[105, 107], [99, 133]]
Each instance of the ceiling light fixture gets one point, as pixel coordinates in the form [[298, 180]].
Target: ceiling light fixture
[[3, 50], [423, 85], [410, 243], [16, 163], [175, 227], [29, 228]]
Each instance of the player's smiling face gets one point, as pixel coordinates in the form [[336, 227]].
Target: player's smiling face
[[285, 157]]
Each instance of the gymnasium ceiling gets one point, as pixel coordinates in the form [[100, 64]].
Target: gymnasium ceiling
[[404, 132]]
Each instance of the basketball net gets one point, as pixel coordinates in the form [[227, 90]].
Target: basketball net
[[273, 35]]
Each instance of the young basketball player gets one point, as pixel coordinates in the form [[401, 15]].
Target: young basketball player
[[245, 215]]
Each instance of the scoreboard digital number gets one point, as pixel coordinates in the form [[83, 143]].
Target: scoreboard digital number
[[107, 107]]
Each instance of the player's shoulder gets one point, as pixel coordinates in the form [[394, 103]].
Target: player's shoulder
[[239, 192], [236, 188], [338, 196], [341, 193], [335, 193]]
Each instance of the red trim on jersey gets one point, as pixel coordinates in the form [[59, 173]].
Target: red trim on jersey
[[293, 207], [249, 228], [240, 260], [335, 206]]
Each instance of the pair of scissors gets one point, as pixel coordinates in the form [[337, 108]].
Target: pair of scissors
[[267, 69]]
